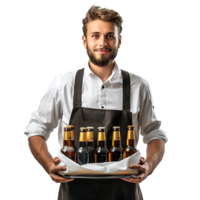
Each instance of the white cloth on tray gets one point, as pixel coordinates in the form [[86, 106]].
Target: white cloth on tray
[[105, 168]]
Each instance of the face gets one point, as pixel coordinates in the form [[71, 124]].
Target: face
[[102, 42]]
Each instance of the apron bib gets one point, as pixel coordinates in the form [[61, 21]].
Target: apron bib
[[107, 189]]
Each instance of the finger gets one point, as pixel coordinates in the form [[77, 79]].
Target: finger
[[139, 167], [140, 177], [58, 168], [127, 179], [142, 161], [130, 180], [59, 179], [65, 181]]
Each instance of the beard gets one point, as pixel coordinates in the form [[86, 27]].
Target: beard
[[104, 59]]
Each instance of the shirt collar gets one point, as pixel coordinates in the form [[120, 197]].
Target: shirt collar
[[116, 72]]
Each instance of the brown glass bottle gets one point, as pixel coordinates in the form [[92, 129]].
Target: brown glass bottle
[[130, 148], [116, 151], [72, 137], [82, 155], [68, 150], [101, 153], [90, 144]]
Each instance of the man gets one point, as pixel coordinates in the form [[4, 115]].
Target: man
[[99, 95]]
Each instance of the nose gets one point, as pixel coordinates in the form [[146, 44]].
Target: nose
[[103, 41]]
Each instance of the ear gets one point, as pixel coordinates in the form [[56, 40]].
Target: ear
[[121, 41], [84, 41]]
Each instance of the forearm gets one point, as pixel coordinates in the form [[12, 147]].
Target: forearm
[[155, 152], [39, 150]]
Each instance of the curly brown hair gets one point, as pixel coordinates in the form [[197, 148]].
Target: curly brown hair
[[96, 12]]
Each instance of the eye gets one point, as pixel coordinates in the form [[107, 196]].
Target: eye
[[97, 36], [94, 36]]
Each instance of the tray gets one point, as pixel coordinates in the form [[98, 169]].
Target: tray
[[99, 177]]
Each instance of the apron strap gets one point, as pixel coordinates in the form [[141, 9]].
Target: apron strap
[[126, 90], [78, 89]]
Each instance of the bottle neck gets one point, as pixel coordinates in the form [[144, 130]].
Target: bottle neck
[[73, 142], [67, 143], [90, 143], [101, 143], [82, 144], [130, 142], [116, 143]]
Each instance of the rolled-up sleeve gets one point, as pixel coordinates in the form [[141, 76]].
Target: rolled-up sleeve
[[149, 125], [45, 119]]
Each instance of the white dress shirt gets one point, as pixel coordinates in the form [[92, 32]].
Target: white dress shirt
[[57, 104]]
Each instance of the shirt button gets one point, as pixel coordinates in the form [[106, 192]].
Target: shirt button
[[102, 86], [102, 107]]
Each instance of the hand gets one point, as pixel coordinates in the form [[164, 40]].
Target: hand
[[144, 169], [53, 172]]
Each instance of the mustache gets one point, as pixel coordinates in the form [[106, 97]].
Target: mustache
[[105, 49]]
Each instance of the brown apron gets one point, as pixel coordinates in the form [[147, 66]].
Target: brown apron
[[106, 189]]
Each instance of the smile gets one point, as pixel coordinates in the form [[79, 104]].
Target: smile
[[102, 52]]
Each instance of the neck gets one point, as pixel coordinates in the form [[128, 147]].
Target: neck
[[102, 72]]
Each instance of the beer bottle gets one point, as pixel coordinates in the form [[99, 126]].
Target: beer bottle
[[101, 153], [72, 137], [82, 155], [130, 148], [90, 144], [68, 150], [116, 151]]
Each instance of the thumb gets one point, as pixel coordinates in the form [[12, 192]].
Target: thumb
[[142, 160], [56, 160]]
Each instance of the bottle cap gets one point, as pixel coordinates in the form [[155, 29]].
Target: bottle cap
[[90, 128], [83, 129], [101, 127], [71, 126], [116, 127], [67, 128]]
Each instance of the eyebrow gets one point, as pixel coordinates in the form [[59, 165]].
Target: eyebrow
[[100, 33]]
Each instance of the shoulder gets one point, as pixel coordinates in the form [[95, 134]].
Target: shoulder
[[66, 79], [138, 82], [140, 85], [63, 81]]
